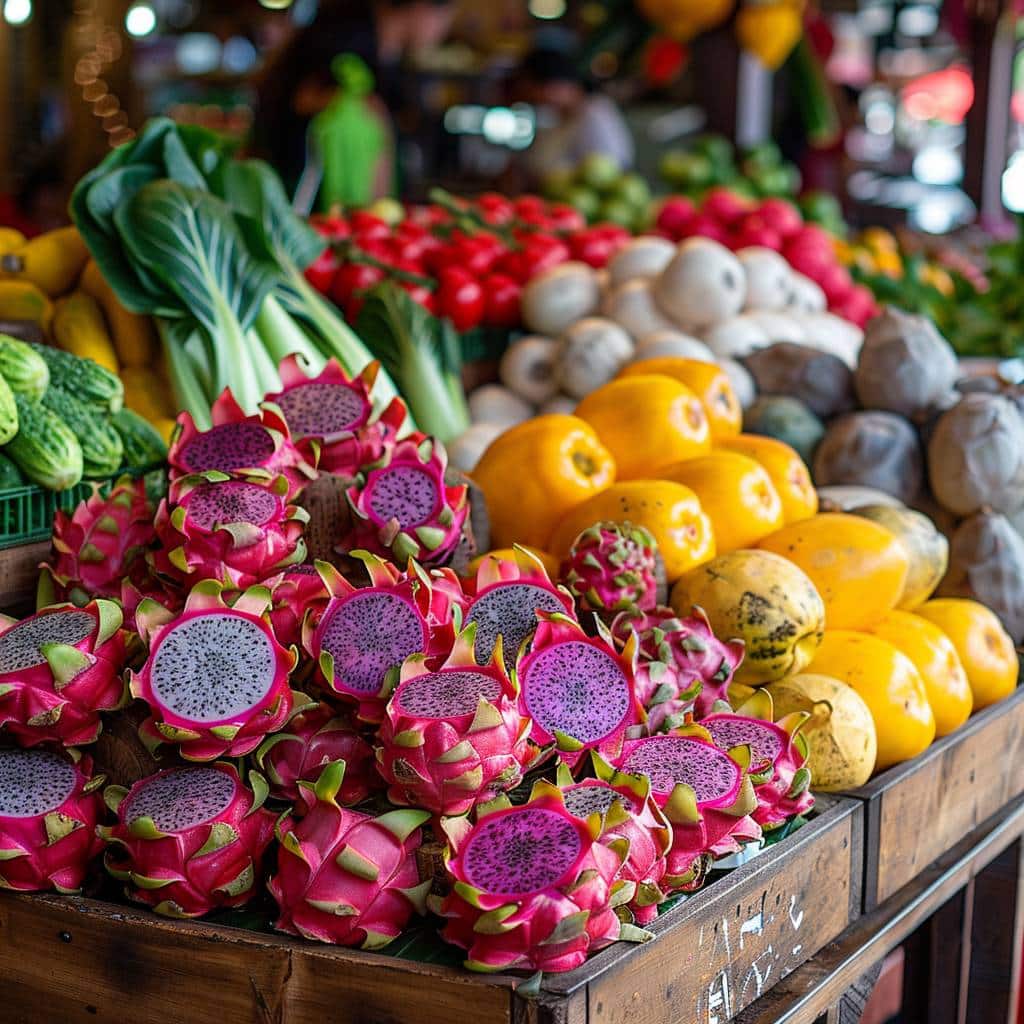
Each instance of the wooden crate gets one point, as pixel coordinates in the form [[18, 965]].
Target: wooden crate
[[917, 811], [19, 572], [72, 960]]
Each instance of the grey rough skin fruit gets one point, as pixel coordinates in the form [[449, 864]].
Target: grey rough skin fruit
[[821, 380], [786, 419]]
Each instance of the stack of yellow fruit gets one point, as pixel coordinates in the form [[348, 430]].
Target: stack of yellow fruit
[[877, 251], [52, 282]]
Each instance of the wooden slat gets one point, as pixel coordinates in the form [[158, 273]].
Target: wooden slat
[[19, 570]]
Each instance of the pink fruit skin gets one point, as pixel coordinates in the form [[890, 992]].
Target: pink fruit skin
[[35, 706], [296, 592], [61, 864], [612, 567], [197, 883]]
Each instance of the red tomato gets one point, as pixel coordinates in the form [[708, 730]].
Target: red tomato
[[321, 272], [530, 205], [563, 217], [596, 245], [754, 231], [424, 296], [330, 225], [836, 283], [352, 280], [496, 208], [724, 205], [460, 298], [781, 216], [542, 252], [501, 298], [366, 224], [674, 216]]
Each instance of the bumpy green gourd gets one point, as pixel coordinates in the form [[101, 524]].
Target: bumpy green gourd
[[91, 382], [25, 371], [102, 450], [8, 413], [45, 448], [10, 476], [142, 442]]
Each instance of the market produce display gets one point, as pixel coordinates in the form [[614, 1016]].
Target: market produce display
[[602, 192]]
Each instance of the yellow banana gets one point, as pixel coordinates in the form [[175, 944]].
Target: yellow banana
[[10, 239], [134, 335], [52, 262], [22, 300], [79, 327]]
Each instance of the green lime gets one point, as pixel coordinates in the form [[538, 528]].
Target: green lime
[[557, 184], [617, 212], [633, 190], [586, 200], [717, 149], [598, 171]]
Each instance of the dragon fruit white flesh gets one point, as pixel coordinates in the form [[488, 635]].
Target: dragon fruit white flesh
[[612, 567]]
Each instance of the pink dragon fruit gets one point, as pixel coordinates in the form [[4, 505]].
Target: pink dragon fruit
[[507, 595], [366, 633], [612, 567], [704, 792], [103, 541], [535, 888], [403, 509], [49, 810], [454, 737], [216, 679], [296, 592], [628, 815], [579, 691], [315, 738], [345, 877], [214, 528], [335, 413], [778, 756], [189, 840], [256, 448], [58, 669]]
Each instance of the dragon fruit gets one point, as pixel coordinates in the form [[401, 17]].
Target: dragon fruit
[[611, 567], [579, 691], [630, 815], [403, 509], [704, 792], [49, 809], [778, 756], [214, 528], [296, 592], [507, 595], [189, 840], [366, 633], [535, 888], [315, 738], [256, 448], [103, 541], [346, 877], [216, 680], [335, 413], [454, 737], [58, 669]]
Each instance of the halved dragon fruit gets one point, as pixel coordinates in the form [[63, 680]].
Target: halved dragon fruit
[[216, 679], [49, 809], [345, 877], [403, 508], [58, 669], [454, 737], [335, 412], [778, 756], [507, 595], [611, 567], [214, 528], [579, 691], [315, 738], [704, 792], [189, 840], [257, 448], [296, 593]]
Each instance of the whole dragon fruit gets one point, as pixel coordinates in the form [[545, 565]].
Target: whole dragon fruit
[[778, 756], [58, 669], [256, 448], [189, 840], [612, 567], [315, 738], [334, 413], [296, 592], [402, 508], [216, 679], [49, 809], [454, 737], [535, 888], [214, 528], [346, 877]]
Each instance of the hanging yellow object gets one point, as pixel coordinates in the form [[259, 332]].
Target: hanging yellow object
[[684, 19], [10, 239], [134, 336], [770, 30], [22, 300], [52, 262]]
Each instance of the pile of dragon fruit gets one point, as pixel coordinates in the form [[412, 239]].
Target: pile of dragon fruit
[[538, 763]]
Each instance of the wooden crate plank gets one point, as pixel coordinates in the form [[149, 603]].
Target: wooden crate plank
[[19, 571]]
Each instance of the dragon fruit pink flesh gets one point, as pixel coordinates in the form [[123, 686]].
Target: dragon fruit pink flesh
[[103, 541], [704, 792], [216, 679], [628, 815], [256, 448], [214, 528], [335, 413], [778, 757], [366, 633], [346, 877], [189, 840], [296, 592], [315, 738], [403, 509], [611, 567], [49, 809], [58, 669], [579, 691], [454, 737], [507, 596], [535, 888]]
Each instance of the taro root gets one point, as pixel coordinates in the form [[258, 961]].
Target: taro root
[[976, 456], [821, 380], [905, 365], [785, 419], [872, 449]]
